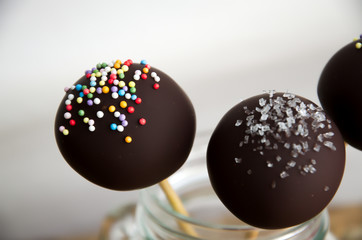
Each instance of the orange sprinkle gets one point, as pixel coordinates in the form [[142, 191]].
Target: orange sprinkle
[[111, 108], [123, 104], [128, 139], [105, 89]]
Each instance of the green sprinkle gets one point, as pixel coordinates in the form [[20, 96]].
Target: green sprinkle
[[90, 95], [132, 89], [81, 113]]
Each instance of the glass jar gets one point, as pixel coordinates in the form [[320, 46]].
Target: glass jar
[[153, 218]]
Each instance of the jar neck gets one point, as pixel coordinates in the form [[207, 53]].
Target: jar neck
[[157, 220]]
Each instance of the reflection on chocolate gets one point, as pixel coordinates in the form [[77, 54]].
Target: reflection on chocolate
[[126, 128], [339, 91], [275, 160]]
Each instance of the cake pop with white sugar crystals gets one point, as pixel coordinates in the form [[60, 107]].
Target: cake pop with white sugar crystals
[[125, 126], [276, 160], [339, 91]]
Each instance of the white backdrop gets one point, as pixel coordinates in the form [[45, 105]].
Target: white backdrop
[[218, 51]]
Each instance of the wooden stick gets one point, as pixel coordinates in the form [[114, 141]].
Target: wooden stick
[[177, 205]]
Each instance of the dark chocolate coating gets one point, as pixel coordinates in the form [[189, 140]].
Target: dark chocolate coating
[[270, 179], [339, 91], [158, 148]]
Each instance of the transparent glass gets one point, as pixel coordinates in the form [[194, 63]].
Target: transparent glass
[[154, 218]]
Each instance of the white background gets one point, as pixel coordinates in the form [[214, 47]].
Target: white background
[[218, 51]]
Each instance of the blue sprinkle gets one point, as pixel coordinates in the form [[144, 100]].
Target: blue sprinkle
[[93, 83], [78, 87], [143, 62], [134, 97], [81, 94], [113, 126], [121, 92]]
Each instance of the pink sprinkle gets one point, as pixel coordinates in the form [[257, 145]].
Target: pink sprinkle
[[61, 128]]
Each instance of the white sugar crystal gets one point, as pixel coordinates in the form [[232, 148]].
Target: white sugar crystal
[[287, 145], [291, 163], [278, 158], [264, 117], [330, 145], [241, 144], [238, 123], [249, 172], [316, 147], [319, 116], [275, 146], [294, 154], [246, 139], [328, 134], [314, 162], [269, 164], [320, 138], [237, 160], [262, 102], [326, 188], [284, 174], [309, 168]]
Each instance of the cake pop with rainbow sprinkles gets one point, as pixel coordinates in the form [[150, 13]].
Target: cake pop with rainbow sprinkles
[[125, 125]]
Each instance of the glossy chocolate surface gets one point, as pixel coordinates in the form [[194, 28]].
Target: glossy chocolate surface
[[340, 92], [275, 160], [158, 148]]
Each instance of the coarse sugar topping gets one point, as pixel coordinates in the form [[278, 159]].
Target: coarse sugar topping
[[274, 124]]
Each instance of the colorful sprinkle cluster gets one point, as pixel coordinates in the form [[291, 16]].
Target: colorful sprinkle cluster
[[107, 79], [358, 42]]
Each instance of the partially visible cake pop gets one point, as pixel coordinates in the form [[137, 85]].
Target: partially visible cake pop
[[340, 91], [125, 126], [276, 160]]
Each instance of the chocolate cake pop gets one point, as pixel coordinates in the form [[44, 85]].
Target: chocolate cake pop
[[125, 126], [275, 160], [339, 91]]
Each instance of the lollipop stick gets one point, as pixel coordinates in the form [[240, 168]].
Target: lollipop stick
[[253, 234], [177, 205]]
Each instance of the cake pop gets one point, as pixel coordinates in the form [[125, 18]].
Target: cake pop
[[275, 160], [125, 126], [339, 91]]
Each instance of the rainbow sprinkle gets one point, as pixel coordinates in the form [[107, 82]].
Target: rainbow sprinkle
[[108, 79]]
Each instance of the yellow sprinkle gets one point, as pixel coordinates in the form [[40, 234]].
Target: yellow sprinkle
[[98, 74], [131, 84], [92, 89], [125, 68], [358, 45], [119, 71], [66, 132], [112, 108], [85, 120], [105, 89], [118, 61], [121, 84], [79, 100], [93, 75], [123, 104], [355, 39], [145, 70], [101, 83], [128, 139]]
